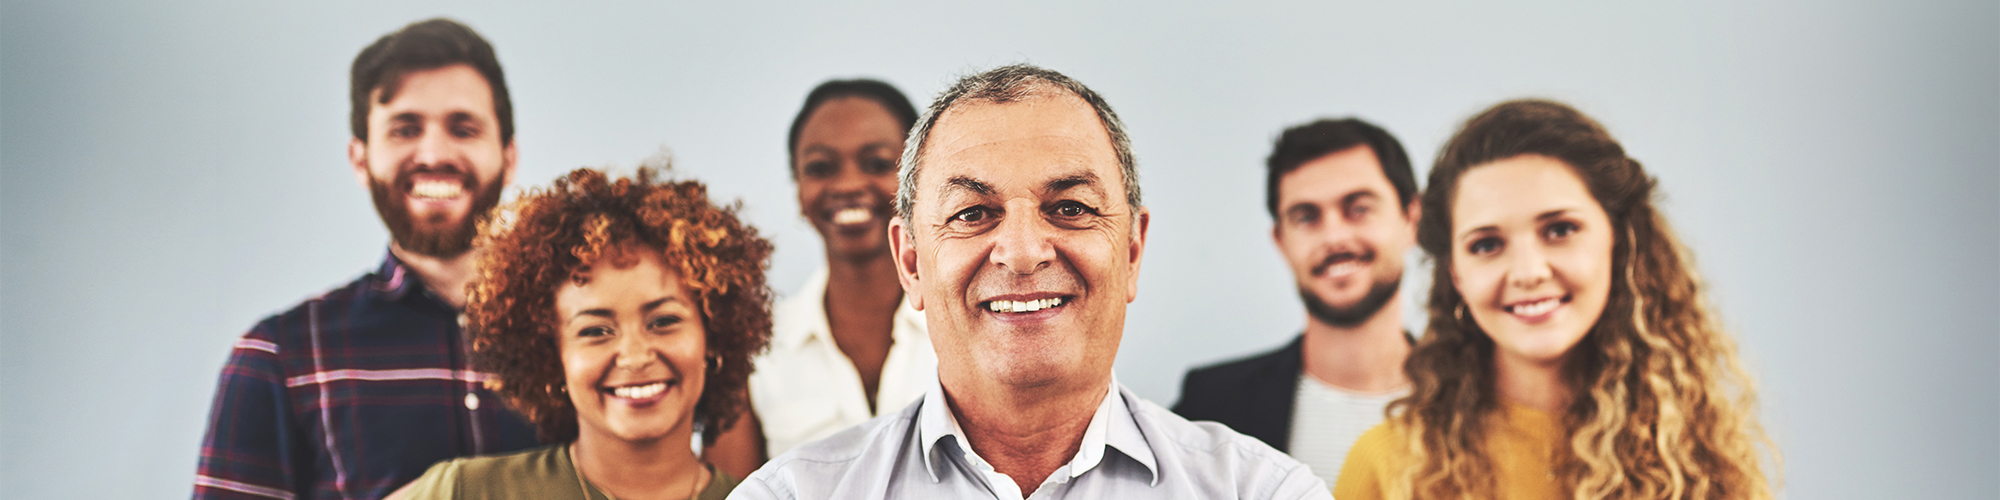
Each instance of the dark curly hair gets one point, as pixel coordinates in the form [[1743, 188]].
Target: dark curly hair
[[534, 244]]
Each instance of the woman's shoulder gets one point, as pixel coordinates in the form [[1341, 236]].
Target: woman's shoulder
[[540, 472], [1366, 473]]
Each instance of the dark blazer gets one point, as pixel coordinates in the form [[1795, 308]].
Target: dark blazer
[[1251, 395]]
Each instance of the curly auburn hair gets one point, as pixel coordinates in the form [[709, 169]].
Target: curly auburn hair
[[534, 244], [1661, 406]]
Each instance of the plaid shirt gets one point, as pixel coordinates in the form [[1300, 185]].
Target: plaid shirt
[[350, 395]]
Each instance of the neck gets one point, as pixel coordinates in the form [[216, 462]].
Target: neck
[[1365, 358], [1026, 434], [663, 468], [1537, 385], [445, 277], [863, 284], [861, 300]]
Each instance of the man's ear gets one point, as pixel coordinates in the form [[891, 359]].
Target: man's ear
[[1414, 213], [357, 158], [507, 163], [1142, 219], [902, 247]]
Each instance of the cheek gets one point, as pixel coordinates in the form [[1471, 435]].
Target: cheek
[[580, 370], [1476, 282]]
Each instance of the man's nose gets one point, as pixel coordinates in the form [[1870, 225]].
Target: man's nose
[[1024, 240], [432, 147]]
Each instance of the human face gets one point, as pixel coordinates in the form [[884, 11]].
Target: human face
[[433, 160], [1021, 248], [1342, 230], [633, 350], [846, 169], [1531, 254]]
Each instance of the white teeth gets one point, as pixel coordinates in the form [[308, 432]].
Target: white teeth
[[1016, 306], [639, 391], [1536, 308], [1344, 267], [437, 189], [854, 215]]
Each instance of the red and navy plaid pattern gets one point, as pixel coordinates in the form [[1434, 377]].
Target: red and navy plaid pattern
[[349, 396]]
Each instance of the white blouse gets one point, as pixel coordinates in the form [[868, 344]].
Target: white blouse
[[805, 389]]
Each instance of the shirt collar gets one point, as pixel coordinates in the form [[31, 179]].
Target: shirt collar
[[1110, 427], [809, 306], [393, 279]]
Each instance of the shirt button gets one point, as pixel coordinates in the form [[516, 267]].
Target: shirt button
[[471, 401], [461, 321]]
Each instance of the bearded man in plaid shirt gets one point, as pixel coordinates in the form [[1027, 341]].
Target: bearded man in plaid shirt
[[354, 393]]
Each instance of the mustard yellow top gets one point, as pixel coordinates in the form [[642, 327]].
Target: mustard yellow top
[[1523, 443]]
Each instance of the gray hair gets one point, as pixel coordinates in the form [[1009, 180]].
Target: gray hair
[[1014, 82]]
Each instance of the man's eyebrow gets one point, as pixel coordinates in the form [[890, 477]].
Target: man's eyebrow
[[1067, 182], [1357, 196], [968, 184], [406, 116]]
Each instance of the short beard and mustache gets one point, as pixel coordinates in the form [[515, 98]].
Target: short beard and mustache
[[431, 237], [1354, 315]]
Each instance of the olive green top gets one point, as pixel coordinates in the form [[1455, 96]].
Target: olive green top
[[543, 473]]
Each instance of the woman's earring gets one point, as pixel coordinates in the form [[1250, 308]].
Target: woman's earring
[[714, 362], [1459, 313]]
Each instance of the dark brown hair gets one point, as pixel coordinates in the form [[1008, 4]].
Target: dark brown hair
[[423, 45], [1661, 407], [534, 244], [1310, 141]]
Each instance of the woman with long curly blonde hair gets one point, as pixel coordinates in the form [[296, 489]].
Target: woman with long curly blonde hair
[[1570, 352]]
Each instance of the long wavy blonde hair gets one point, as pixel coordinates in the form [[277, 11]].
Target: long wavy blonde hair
[[1661, 407]]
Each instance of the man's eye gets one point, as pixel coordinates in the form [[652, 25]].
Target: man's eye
[[1073, 209], [595, 331], [406, 131], [1559, 230], [1356, 212], [970, 215], [465, 132], [1483, 246]]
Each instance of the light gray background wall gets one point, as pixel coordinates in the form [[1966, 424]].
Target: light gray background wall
[[174, 172]]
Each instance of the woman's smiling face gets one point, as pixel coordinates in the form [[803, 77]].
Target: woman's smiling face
[[1531, 255], [633, 349]]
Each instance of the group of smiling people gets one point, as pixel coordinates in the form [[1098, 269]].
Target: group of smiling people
[[1569, 352]]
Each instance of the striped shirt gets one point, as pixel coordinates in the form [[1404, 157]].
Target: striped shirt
[[1326, 420], [350, 395]]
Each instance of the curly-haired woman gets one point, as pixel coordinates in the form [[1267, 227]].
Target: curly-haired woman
[[619, 316], [1570, 352]]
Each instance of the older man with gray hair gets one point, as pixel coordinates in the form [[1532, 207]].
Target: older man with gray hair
[[1019, 235]]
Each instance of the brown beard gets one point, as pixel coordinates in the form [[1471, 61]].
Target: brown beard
[[431, 237], [1378, 295]]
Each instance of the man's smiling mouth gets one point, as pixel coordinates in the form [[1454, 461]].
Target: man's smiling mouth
[[1025, 306]]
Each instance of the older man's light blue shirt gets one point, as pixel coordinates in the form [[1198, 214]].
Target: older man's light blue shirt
[[1132, 448]]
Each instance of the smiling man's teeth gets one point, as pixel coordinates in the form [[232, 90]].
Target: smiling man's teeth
[[437, 189], [855, 215], [1536, 308], [639, 391], [1017, 306]]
